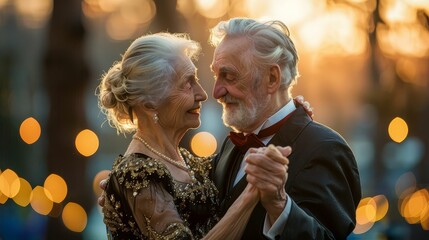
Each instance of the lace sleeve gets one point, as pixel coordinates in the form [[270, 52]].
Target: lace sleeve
[[156, 215]]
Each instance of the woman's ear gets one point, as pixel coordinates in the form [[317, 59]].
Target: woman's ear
[[274, 79]]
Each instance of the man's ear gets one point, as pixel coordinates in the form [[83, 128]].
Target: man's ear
[[274, 79]]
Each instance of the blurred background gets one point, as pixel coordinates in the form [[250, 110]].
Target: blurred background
[[364, 68]]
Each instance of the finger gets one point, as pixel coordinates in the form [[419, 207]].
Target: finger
[[101, 200], [262, 161], [103, 184], [262, 186], [257, 150], [285, 151], [299, 99], [306, 105], [274, 176], [275, 155], [258, 183]]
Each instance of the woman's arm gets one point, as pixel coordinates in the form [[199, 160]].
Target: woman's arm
[[233, 223]]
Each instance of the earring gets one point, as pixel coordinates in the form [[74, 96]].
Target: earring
[[155, 118]]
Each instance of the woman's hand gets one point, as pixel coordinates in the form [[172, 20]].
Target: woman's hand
[[300, 99]]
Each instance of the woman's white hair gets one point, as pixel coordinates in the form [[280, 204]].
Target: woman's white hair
[[145, 75]]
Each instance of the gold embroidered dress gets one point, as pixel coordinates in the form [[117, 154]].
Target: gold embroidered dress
[[143, 201]]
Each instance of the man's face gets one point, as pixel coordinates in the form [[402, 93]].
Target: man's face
[[235, 86]]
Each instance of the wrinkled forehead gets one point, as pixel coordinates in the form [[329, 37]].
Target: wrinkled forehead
[[184, 66], [231, 50]]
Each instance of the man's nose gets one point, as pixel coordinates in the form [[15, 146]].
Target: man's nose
[[219, 90]]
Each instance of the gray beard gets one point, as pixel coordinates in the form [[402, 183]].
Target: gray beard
[[242, 117]]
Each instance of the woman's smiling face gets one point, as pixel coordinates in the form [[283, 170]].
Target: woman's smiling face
[[181, 109]]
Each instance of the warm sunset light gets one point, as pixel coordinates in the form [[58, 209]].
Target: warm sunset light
[[24, 194], [57, 187], [40, 200], [344, 39], [74, 217], [138, 11], [398, 129], [203, 144], [96, 182], [8, 184], [87, 142], [212, 8], [30, 130]]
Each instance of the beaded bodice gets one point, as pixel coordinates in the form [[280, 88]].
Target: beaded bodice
[[138, 180]]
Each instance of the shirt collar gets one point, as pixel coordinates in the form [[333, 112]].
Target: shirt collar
[[279, 115]]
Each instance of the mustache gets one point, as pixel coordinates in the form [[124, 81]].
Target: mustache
[[228, 99]]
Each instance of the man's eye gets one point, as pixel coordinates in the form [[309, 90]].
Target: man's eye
[[227, 76]]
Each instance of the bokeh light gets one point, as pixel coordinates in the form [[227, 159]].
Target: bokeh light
[[3, 198], [34, 13], [40, 200], [212, 8], [74, 217], [398, 129], [405, 184], [382, 206], [414, 207], [8, 184], [366, 214], [86, 142], [203, 144], [30, 130], [96, 182], [24, 194], [366, 211], [57, 187]]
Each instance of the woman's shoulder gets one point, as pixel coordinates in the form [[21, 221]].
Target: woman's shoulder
[[138, 169], [202, 164]]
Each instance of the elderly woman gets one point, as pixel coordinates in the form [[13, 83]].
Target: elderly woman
[[157, 190]]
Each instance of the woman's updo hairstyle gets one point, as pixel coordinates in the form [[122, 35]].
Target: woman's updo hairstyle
[[145, 75]]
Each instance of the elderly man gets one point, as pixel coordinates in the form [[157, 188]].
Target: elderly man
[[315, 194]]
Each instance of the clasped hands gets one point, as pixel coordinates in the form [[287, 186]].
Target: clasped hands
[[267, 173]]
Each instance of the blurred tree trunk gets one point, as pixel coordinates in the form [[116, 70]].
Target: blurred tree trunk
[[167, 18], [66, 77], [401, 99]]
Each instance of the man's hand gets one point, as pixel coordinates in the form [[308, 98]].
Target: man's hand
[[267, 171]]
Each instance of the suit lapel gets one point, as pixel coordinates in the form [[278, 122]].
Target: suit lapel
[[223, 173], [289, 132]]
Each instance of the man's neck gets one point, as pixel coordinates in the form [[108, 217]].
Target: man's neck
[[273, 107]]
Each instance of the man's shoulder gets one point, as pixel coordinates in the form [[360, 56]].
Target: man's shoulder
[[320, 132]]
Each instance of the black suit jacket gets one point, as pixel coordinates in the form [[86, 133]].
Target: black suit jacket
[[323, 181]]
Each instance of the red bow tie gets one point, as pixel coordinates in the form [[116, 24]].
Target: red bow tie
[[244, 142]]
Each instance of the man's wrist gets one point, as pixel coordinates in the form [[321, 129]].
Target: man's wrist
[[275, 209]]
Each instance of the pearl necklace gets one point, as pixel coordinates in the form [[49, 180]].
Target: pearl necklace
[[181, 164]]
